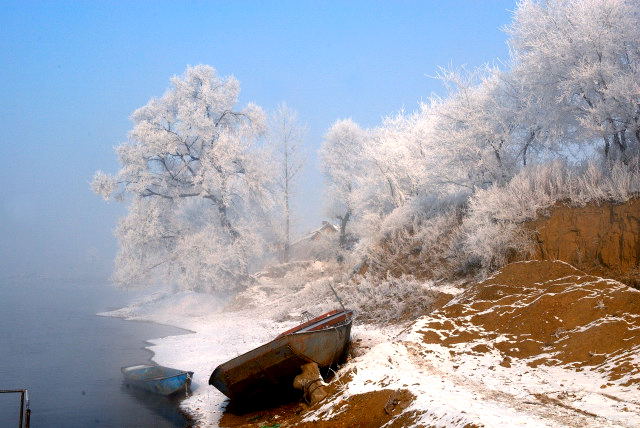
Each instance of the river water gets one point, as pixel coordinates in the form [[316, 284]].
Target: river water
[[52, 343]]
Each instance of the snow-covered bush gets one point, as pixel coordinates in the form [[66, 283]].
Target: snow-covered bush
[[415, 239], [388, 300], [291, 288], [491, 229], [446, 238]]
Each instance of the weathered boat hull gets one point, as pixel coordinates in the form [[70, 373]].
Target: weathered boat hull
[[157, 379], [271, 367]]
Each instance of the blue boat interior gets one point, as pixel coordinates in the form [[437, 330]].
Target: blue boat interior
[[157, 379], [149, 372]]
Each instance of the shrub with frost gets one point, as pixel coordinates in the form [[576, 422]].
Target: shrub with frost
[[388, 300], [491, 229]]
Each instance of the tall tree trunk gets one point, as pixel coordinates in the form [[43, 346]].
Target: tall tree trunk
[[623, 140], [226, 223], [617, 143], [287, 218], [619, 140], [532, 136], [343, 229], [392, 190], [636, 120], [287, 224]]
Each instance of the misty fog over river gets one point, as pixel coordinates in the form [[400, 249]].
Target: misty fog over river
[[53, 343]]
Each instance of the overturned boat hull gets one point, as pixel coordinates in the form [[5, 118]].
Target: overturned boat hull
[[272, 366]]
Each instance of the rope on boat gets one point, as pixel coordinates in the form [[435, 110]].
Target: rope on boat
[[337, 297]]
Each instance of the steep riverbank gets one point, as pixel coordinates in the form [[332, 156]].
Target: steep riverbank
[[602, 239]]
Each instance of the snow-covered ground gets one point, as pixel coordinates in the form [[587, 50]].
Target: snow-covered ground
[[217, 337], [221, 332], [452, 389]]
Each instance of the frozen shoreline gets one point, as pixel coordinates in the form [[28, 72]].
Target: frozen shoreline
[[453, 387], [212, 337]]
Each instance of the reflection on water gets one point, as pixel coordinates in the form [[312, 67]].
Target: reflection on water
[[52, 343], [160, 405]]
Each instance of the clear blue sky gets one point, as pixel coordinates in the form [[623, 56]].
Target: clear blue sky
[[72, 72]]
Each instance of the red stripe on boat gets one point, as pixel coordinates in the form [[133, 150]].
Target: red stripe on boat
[[323, 321]]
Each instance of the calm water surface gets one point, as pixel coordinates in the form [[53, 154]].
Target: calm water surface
[[52, 343]]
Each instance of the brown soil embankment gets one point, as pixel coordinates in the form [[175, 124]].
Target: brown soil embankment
[[600, 239], [369, 410], [547, 313]]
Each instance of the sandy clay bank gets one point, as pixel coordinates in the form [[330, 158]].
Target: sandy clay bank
[[540, 343]]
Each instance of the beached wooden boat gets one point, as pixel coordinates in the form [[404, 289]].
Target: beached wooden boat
[[157, 379], [270, 368]]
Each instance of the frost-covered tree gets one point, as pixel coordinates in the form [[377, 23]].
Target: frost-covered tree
[[473, 145], [394, 167], [342, 165], [286, 135], [197, 186], [580, 63], [572, 84]]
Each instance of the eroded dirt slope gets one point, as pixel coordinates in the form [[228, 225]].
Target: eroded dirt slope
[[547, 313], [602, 239]]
